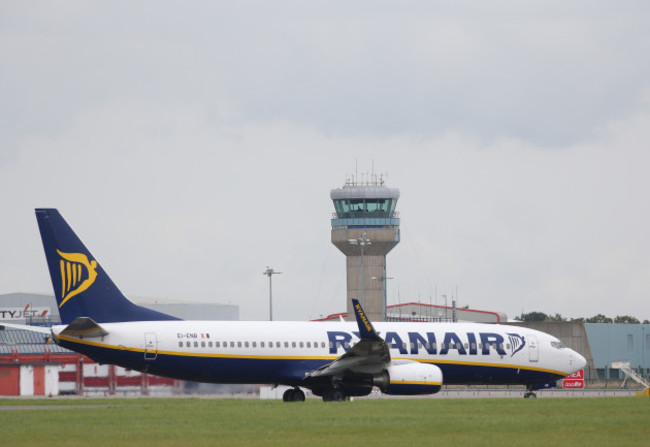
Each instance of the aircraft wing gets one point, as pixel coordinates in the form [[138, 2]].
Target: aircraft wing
[[369, 356]]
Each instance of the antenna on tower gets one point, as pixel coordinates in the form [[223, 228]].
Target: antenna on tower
[[356, 171]]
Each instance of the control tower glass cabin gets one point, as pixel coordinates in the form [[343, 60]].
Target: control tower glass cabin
[[365, 227]]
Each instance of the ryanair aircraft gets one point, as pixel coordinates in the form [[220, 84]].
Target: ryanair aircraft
[[333, 360]]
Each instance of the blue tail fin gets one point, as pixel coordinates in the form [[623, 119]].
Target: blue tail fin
[[81, 287]]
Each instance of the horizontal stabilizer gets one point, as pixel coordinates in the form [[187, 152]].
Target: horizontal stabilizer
[[84, 327]]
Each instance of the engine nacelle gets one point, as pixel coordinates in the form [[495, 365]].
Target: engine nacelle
[[410, 378]]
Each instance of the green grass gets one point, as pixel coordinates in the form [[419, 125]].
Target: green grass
[[369, 422]]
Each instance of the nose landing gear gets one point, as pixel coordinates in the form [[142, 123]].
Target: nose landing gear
[[529, 394]]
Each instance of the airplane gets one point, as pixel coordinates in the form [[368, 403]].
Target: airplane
[[335, 360]]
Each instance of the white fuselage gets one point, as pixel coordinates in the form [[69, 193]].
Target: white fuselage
[[284, 352]]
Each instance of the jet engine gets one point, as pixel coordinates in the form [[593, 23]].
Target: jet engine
[[410, 378]]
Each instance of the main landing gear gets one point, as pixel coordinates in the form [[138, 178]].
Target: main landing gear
[[529, 394], [293, 395]]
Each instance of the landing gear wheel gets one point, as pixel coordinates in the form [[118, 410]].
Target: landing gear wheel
[[298, 395], [287, 396], [530, 395], [529, 392], [293, 395]]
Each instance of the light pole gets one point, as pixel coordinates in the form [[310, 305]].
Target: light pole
[[362, 241], [270, 272]]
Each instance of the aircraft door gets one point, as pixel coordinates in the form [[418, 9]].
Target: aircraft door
[[533, 348], [150, 346]]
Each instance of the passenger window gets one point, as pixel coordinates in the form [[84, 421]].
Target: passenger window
[[209, 344], [301, 344], [331, 345], [277, 344], [347, 345], [255, 344], [442, 345], [232, 344], [196, 344], [473, 345], [203, 344], [308, 344], [216, 344], [261, 344], [466, 346], [293, 344], [246, 344], [180, 344], [286, 344]]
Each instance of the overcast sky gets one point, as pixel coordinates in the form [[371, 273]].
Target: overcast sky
[[191, 144]]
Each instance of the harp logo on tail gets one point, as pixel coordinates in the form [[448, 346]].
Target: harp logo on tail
[[77, 274]]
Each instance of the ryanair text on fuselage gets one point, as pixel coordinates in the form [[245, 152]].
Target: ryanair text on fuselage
[[473, 343]]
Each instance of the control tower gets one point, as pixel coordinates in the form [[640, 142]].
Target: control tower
[[365, 227]]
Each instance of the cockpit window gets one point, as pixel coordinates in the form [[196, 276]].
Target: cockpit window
[[558, 345]]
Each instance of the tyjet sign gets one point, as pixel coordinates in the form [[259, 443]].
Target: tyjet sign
[[23, 313]]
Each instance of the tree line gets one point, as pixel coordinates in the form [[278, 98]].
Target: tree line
[[600, 318]]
